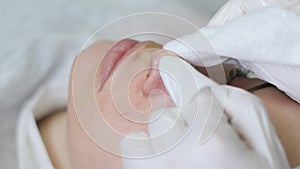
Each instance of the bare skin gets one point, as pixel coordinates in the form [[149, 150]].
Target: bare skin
[[284, 114], [53, 130], [92, 155]]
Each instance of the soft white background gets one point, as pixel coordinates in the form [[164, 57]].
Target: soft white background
[[39, 39]]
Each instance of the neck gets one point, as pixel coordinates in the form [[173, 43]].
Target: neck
[[53, 129]]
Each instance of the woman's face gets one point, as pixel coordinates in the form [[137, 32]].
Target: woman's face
[[127, 83]]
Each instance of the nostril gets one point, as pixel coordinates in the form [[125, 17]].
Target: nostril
[[148, 75], [153, 81], [154, 85]]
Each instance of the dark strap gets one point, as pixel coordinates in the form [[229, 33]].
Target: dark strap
[[262, 86]]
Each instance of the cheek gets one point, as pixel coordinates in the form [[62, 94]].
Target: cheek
[[114, 114], [83, 152], [136, 95]]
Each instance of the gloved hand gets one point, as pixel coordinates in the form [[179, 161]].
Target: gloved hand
[[235, 8], [266, 41], [244, 137]]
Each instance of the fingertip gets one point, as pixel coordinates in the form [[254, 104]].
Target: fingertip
[[162, 123], [135, 145], [168, 68]]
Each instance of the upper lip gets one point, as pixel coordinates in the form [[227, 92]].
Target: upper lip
[[112, 58]]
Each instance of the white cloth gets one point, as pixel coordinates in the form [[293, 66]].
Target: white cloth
[[243, 138], [31, 151], [266, 41], [234, 8]]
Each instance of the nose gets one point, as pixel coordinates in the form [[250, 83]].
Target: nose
[[153, 82]]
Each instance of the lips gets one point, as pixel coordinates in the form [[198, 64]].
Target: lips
[[112, 58]]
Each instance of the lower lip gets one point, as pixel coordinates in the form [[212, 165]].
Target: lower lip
[[111, 59]]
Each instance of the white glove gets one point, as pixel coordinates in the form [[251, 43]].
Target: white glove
[[266, 41], [235, 8], [244, 137]]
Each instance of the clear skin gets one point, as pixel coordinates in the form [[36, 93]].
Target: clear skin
[[84, 153], [91, 155]]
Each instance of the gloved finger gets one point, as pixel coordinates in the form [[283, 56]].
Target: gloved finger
[[201, 116], [188, 86], [250, 120], [167, 130], [195, 48], [235, 8], [236, 148], [224, 136], [143, 163], [136, 145], [182, 81], [244, 37], [138, 163], [232, 9]]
